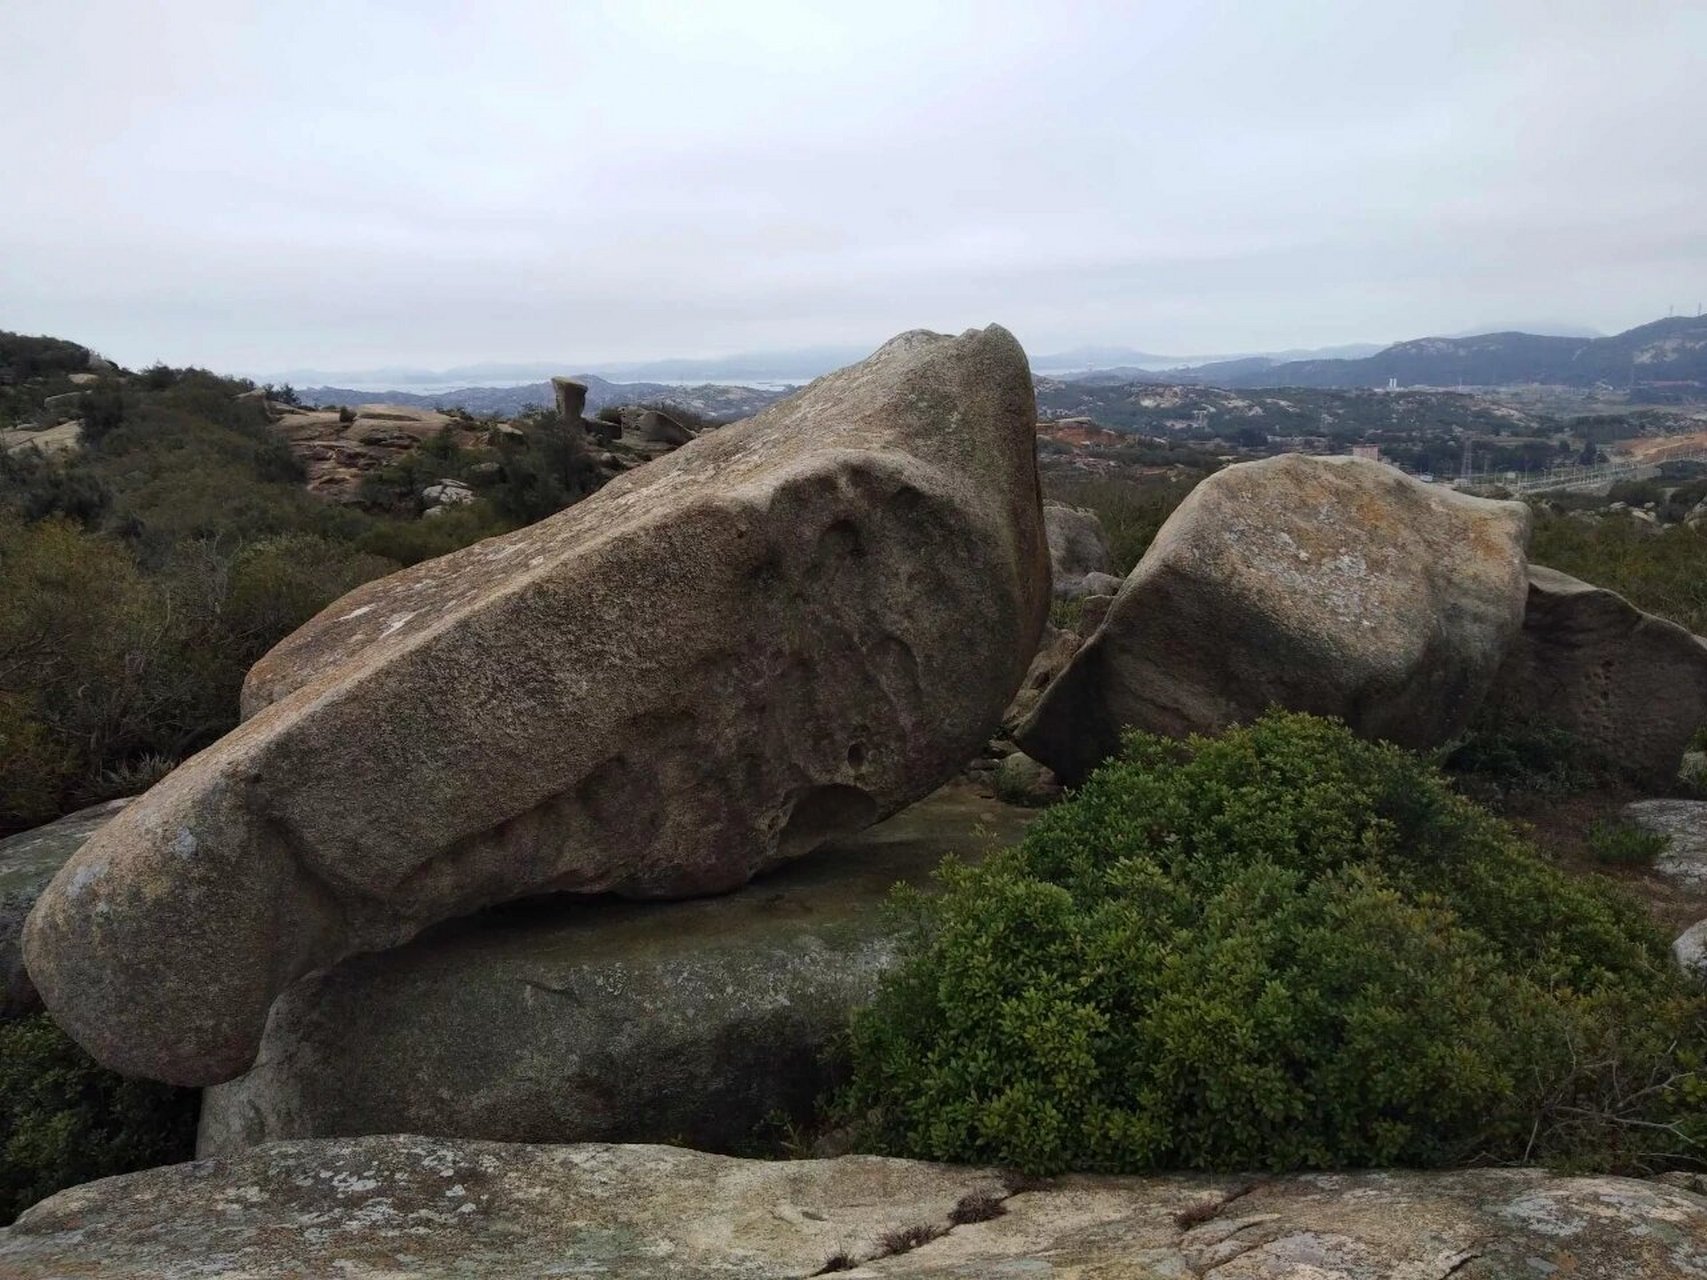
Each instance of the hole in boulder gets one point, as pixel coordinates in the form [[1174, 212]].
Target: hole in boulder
[[818, 813], [856, 755]]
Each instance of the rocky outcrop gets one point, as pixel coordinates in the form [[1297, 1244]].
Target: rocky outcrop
[[704, 1022], [28, 862], [1054, 651], [338, 450], [571, 398], [410, 1208], [1628, 686], [1683, 823], [1077, 547], [1335, 586], [712, 666]]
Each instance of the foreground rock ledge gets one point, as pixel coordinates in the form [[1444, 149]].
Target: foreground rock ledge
[[782, 632], [1336, 586], [410, 1208]]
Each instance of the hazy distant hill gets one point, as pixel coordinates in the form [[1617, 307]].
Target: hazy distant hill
[[1667, 351], [1128, 364], [713, 400]]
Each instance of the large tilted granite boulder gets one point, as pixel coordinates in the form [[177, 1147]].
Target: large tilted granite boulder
[[411, 1208], [1336, 586], [28, 863], [1628, 686], [708, 1022], [1078, 548], [782, 632]]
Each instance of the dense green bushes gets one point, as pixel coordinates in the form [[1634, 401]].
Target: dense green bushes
[[141, 576], [64, 1120], [105, 667], [1283, 948]]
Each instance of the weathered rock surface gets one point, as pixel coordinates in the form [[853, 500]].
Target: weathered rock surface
[[1689, 949], [1101, 584], [1331, 585], [409, 1208], [1077, 546], [700, 1022], [338, 455], [28, 862], [1684, 824], [571, 398], [710, 667], [1054, 651], [1627, 685]]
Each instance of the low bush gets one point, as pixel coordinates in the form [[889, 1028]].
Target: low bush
[[1497, 758], [1283, 948], [1622, 844], [65, 1120]]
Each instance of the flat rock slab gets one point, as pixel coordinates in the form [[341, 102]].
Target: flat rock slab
[[1684, 824], [28, 861], [701, 1022], [785, 631], [410, 1208]]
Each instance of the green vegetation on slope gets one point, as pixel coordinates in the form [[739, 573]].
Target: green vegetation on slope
[[1282, 948], [145, 573], [1661, 570]]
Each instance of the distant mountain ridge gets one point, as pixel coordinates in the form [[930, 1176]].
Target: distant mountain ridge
[[1665, 352]]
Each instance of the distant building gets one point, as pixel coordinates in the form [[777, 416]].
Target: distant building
[[1370, 451]]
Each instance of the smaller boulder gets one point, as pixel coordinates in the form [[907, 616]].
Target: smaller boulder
[[1077, 547], [1690, 949], [447, 493], [653, 426], [1335, 586], [1684, 825], [1102, 584], [1628, 686]]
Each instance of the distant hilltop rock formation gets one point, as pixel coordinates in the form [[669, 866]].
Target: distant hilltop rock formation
[[711, 666]]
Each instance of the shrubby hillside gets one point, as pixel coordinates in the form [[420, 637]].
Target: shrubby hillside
[[148, 570]]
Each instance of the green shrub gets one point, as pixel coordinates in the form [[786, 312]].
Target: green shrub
[[1283, 948], [1623, 844], [1497, 758], [66, 1120]]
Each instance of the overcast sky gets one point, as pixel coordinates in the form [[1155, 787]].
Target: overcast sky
[[258, 186]]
